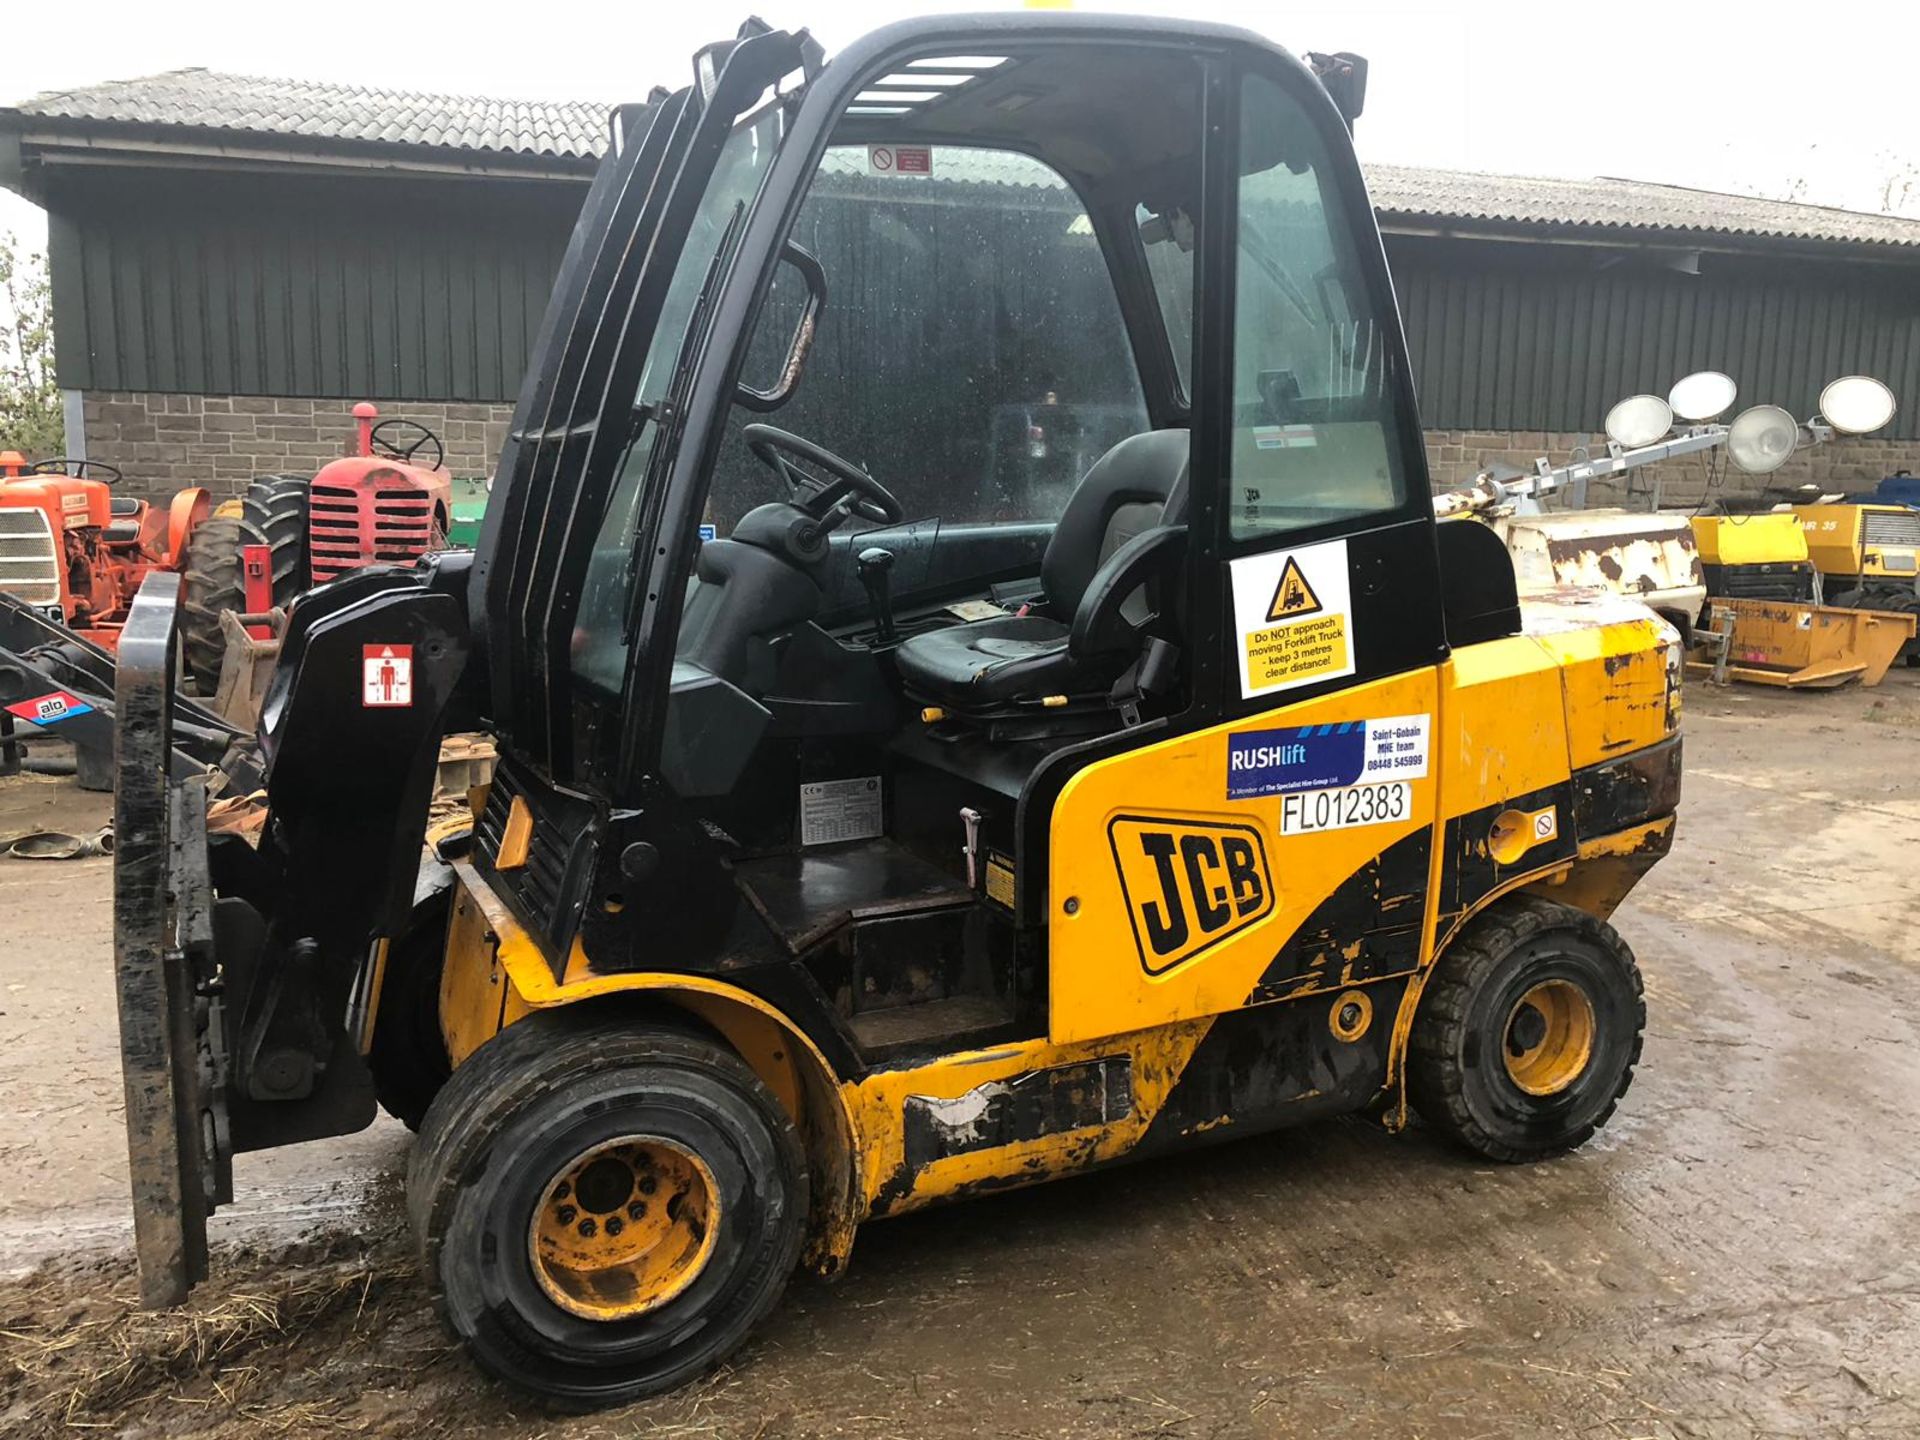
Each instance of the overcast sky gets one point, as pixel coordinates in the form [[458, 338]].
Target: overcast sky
[[1819, 104]]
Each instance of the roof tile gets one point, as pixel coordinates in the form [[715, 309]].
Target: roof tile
[[577, 129]]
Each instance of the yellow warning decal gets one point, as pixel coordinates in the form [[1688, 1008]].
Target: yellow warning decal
[[1292, 597], [1294, 614]]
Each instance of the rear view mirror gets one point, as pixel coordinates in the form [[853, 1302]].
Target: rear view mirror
[[814, 280], [1344, 77]]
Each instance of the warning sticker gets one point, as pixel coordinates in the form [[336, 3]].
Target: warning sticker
[[900, 159], [1293, 612], [1546, 824], [386, 676], [1326, 757], [50, 709], [835, 810], [1292, 597]]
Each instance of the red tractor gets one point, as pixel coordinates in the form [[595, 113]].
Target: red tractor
[[75, 551], [374, 507]]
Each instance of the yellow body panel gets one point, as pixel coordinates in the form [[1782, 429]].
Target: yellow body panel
[[1107, 977], [1619, 666], [1833, 537], [1775, 537]]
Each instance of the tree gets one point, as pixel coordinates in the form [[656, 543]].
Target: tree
[[30, 418]]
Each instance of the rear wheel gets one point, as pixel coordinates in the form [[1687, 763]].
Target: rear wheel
[[273, 513], [1528, 1031], [605, 1208], [215, 584], [277, 506]]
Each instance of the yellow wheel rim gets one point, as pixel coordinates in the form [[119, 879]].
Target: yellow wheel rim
[[624, 1228], [1549, 1037]]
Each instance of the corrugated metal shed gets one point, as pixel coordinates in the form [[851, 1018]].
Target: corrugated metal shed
[[1530, 303]]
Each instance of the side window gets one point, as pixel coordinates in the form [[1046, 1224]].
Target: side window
[[1313, 432], [971, 354]]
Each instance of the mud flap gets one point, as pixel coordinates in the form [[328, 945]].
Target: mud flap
[[167, 984]]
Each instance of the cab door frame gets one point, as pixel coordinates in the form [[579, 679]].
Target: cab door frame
[[1171, 786]]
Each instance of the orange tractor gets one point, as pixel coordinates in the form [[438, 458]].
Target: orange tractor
[[76, 553]]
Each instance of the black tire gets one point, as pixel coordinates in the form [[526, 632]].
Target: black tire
[[215, 584], [527, 1105], [408, 1056], [277, 506], [1471, 1020]]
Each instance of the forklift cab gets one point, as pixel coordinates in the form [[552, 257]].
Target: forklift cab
[[896, 648], [981, 694]]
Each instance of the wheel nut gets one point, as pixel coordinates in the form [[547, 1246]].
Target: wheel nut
[[566, 1214], [562, 1190], [648, 1185], [637, 1210], [588, 1229], [616, 1225]]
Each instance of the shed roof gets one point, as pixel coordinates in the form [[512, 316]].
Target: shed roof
[[318, 111], [322, 114]]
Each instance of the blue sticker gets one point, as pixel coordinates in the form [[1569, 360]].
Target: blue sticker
[[709, 532], [1325, 757]]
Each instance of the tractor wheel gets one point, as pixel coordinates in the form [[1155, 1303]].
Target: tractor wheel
[[605, 1207], [276, 506], [1528, 1031], [215, 584], [408, 1056]]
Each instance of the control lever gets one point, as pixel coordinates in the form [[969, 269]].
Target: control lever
[[876, 569]]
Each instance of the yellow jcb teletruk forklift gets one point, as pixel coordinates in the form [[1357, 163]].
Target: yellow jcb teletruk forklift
[[920, 829]]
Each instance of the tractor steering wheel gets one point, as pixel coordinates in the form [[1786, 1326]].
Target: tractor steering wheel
[[850, 490], [404, 453], [77, 469]]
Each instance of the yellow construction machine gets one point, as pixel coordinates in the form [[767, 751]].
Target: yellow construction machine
[[910, 838]]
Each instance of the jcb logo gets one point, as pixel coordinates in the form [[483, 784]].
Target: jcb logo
[[1188, 883]]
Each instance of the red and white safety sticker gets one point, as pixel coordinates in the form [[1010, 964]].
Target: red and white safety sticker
[[386, 676]]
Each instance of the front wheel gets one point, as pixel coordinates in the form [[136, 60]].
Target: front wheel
[[1528, 1031], [606, 1207]]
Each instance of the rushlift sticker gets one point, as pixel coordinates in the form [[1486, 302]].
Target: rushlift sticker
[[1326, 757], [1294, 614], [386, 676], [50, 709], [900, 159]]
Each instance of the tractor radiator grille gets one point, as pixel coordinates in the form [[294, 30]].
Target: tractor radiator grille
[[535, 885], [29, 558], [1889, 527], [371, 526]]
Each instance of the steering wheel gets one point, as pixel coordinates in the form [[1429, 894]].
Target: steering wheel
[[77, 469], [404, 453], [849, 491]]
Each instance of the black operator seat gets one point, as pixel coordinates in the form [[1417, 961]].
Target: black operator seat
[[1138, 486]]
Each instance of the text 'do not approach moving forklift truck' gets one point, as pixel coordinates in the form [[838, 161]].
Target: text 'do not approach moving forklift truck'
[[875, 853]]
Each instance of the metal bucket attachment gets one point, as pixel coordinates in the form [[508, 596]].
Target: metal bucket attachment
[[166, 980], [1797, 646]]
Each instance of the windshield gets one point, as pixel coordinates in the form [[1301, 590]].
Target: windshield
[[971, 357], [599, 648]]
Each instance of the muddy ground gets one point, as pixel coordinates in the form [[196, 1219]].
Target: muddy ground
[[1738, 1254]]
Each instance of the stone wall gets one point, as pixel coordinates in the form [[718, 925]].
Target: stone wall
[[165, 442], [1844, 464]]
